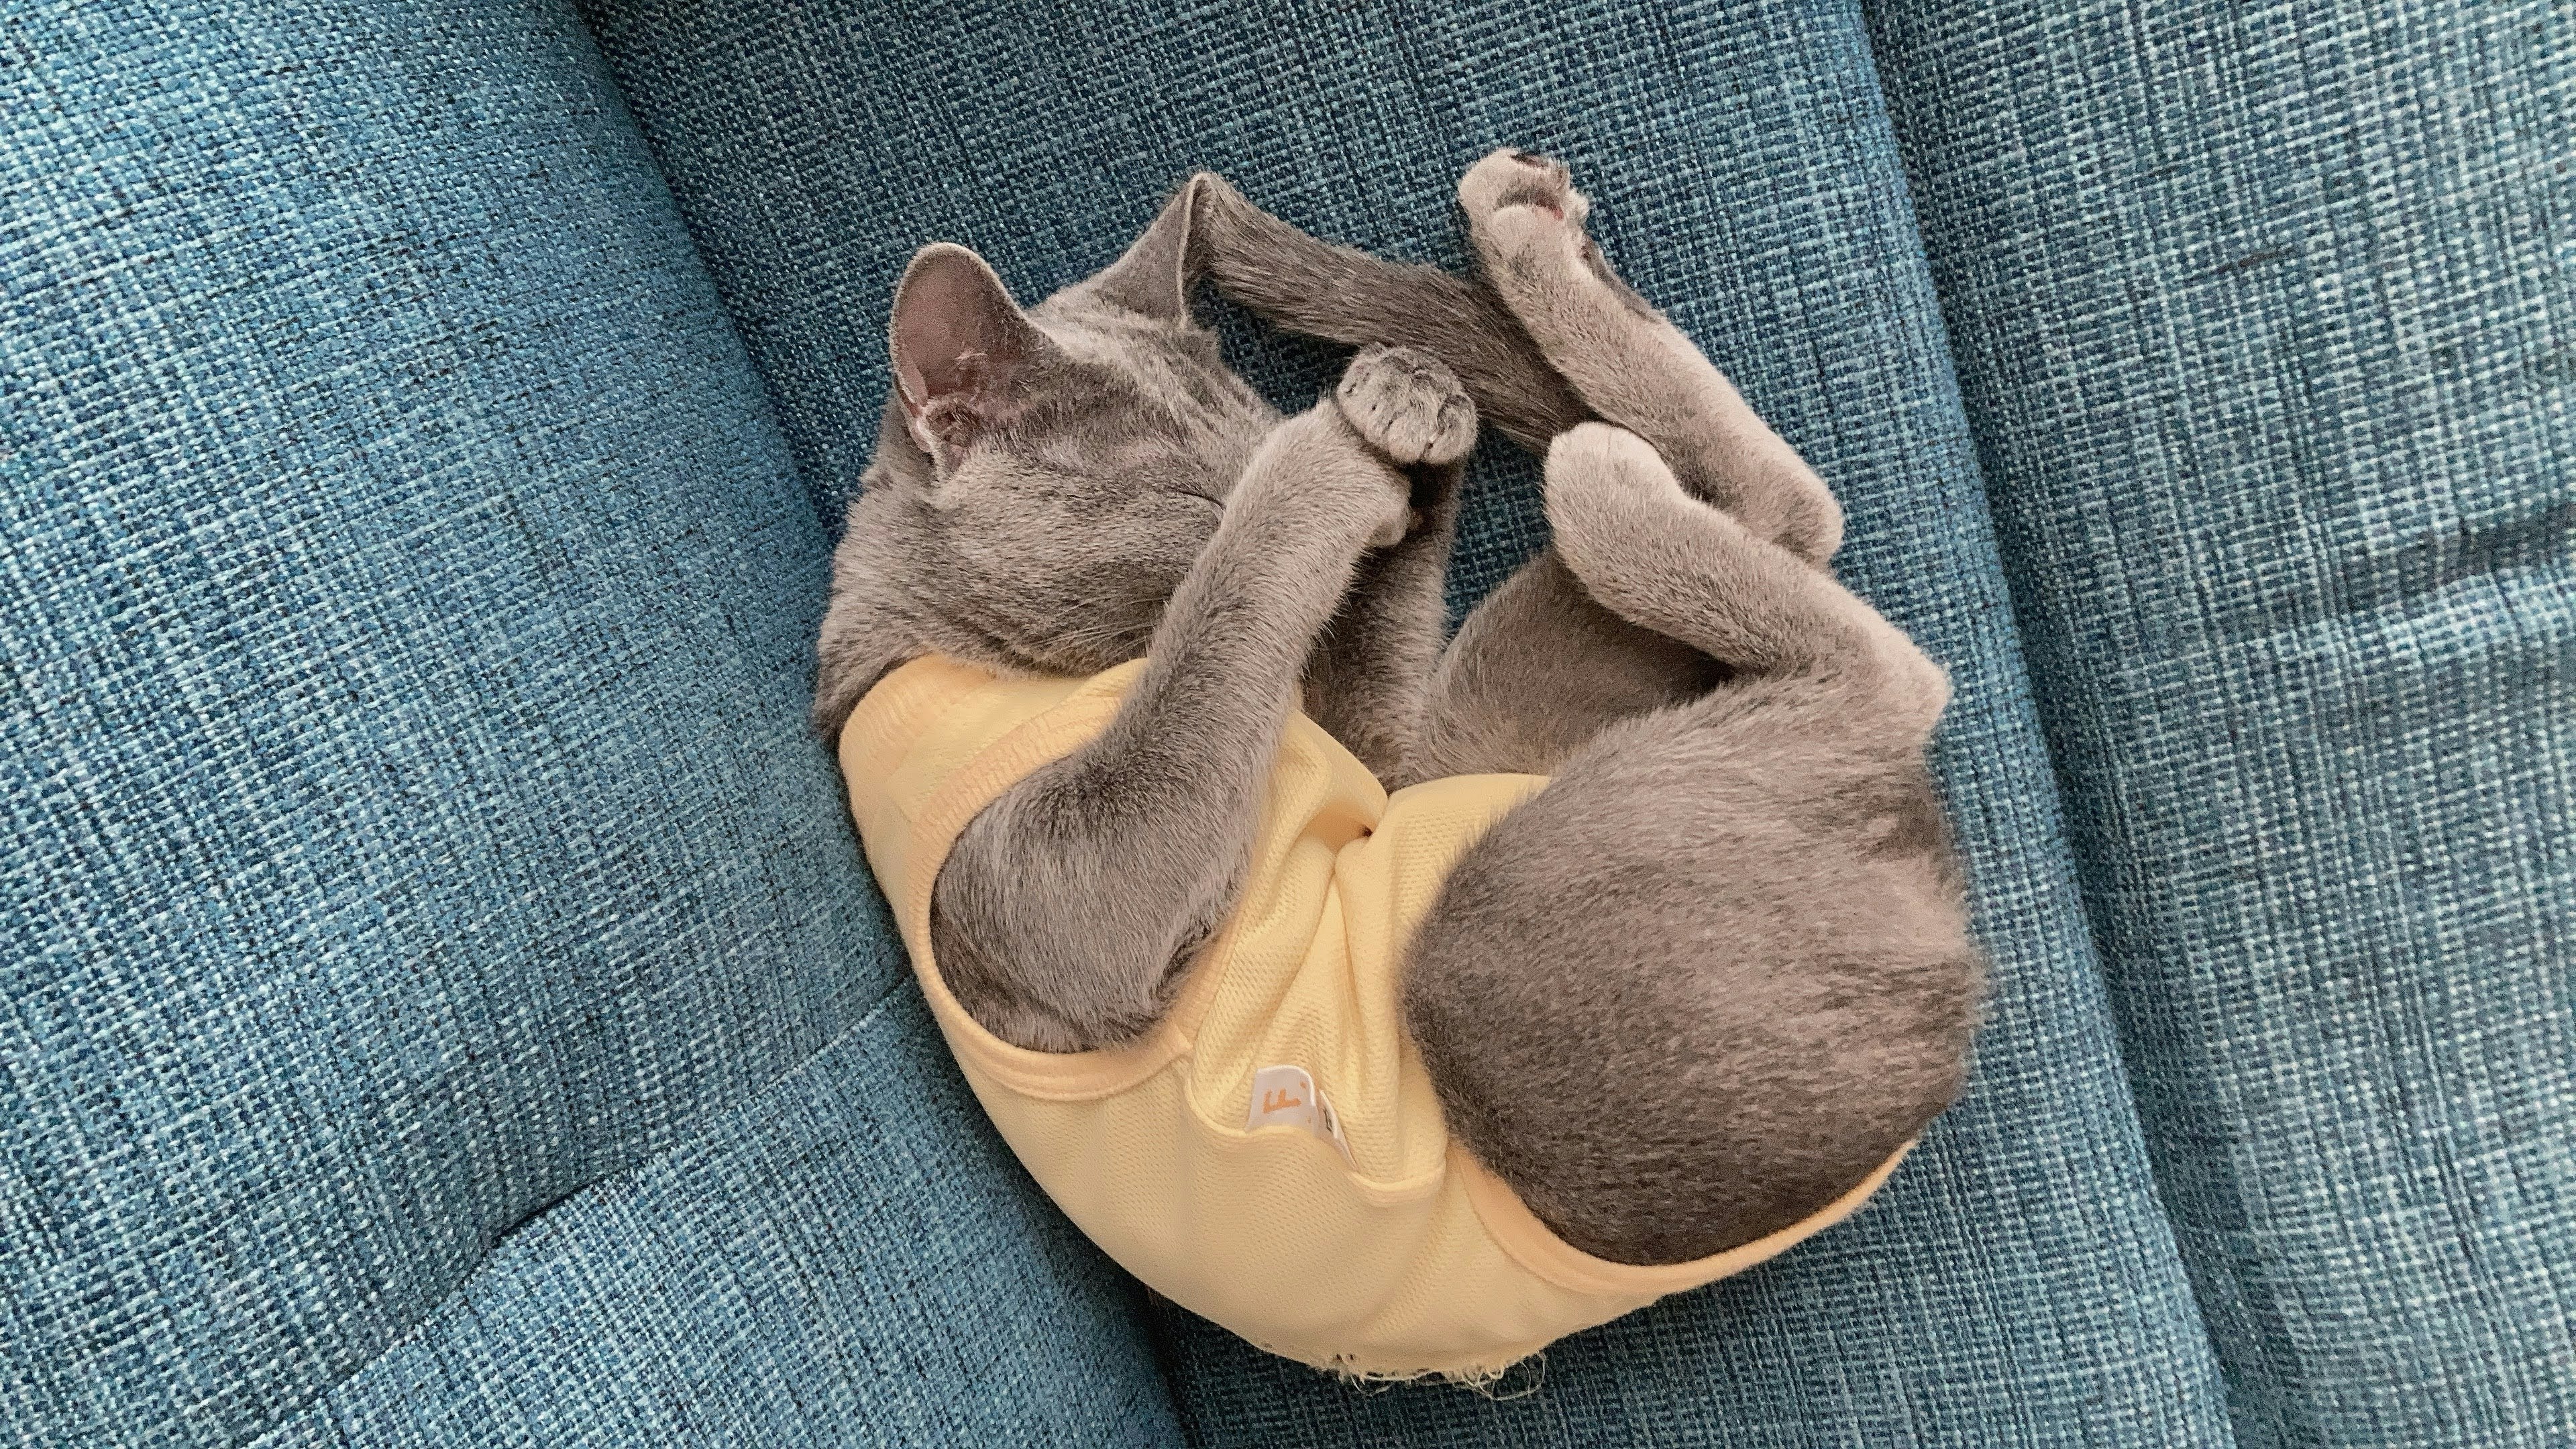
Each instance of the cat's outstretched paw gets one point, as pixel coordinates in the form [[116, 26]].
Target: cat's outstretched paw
[[1518, 204], [1408, 406]]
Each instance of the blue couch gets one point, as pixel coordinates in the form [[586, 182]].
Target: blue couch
[[445, 1005]]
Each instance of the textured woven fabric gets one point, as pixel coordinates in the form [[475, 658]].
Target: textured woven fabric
[[2266, 317], [836, 1262], [2016, 1284], [405, 814]]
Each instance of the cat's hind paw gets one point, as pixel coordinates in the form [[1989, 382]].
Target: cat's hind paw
[[1604, 485], [1509, 178], [1408, 406], [1515, 201]]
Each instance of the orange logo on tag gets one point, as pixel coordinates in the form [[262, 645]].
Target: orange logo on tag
[[1286, 1096]]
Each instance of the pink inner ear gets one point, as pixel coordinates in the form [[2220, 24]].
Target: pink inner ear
[[955, 330]]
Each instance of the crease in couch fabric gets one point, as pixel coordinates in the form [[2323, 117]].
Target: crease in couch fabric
[[1749, 180], [2264, 322], [789, 1323], [406, 818]]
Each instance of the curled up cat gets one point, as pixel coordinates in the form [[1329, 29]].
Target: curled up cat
[[1654, 961]]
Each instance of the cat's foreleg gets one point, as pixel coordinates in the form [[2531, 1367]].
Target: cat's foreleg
[[1365, 679], [1066, 907]]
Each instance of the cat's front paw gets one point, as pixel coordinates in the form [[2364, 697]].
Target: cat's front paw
[[1408, 406]]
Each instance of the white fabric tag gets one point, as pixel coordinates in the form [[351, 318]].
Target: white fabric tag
[[1288, 1097]]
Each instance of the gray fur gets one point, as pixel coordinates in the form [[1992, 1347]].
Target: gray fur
[[1063, 489], [1698, 986]]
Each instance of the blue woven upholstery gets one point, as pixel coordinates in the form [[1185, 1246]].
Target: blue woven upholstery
[[2267, 327], [407, 826], [445, 1007]]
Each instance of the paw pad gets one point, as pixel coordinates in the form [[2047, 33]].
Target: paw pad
[[1408, 406], [1506, 180]]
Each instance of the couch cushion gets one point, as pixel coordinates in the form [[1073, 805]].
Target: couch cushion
[[2016, 1284], [845, 1258], [2265, 321], [406, 816]]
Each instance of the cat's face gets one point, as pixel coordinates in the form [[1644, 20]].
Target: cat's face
[[1068, 462]]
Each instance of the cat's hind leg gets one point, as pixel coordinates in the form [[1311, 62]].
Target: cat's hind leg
[[1538, 669], [1629, 363], [1717, 972], [1653, 554], [1574, 644], [1651, 597]]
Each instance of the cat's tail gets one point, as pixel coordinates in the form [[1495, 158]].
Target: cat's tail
[[1344, 295]]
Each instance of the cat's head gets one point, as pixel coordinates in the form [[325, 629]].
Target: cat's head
[[1056, 469]]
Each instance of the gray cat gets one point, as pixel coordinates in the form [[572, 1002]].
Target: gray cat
[[1699, 986]]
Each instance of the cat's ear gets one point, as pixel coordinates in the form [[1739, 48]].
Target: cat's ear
[[1160, 267], [960, 344]]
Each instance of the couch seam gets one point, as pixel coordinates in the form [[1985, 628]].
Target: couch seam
[[2058, 767], [773, 413]]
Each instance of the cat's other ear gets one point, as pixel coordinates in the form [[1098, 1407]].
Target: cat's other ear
[[1155, 275], [959, 344]]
